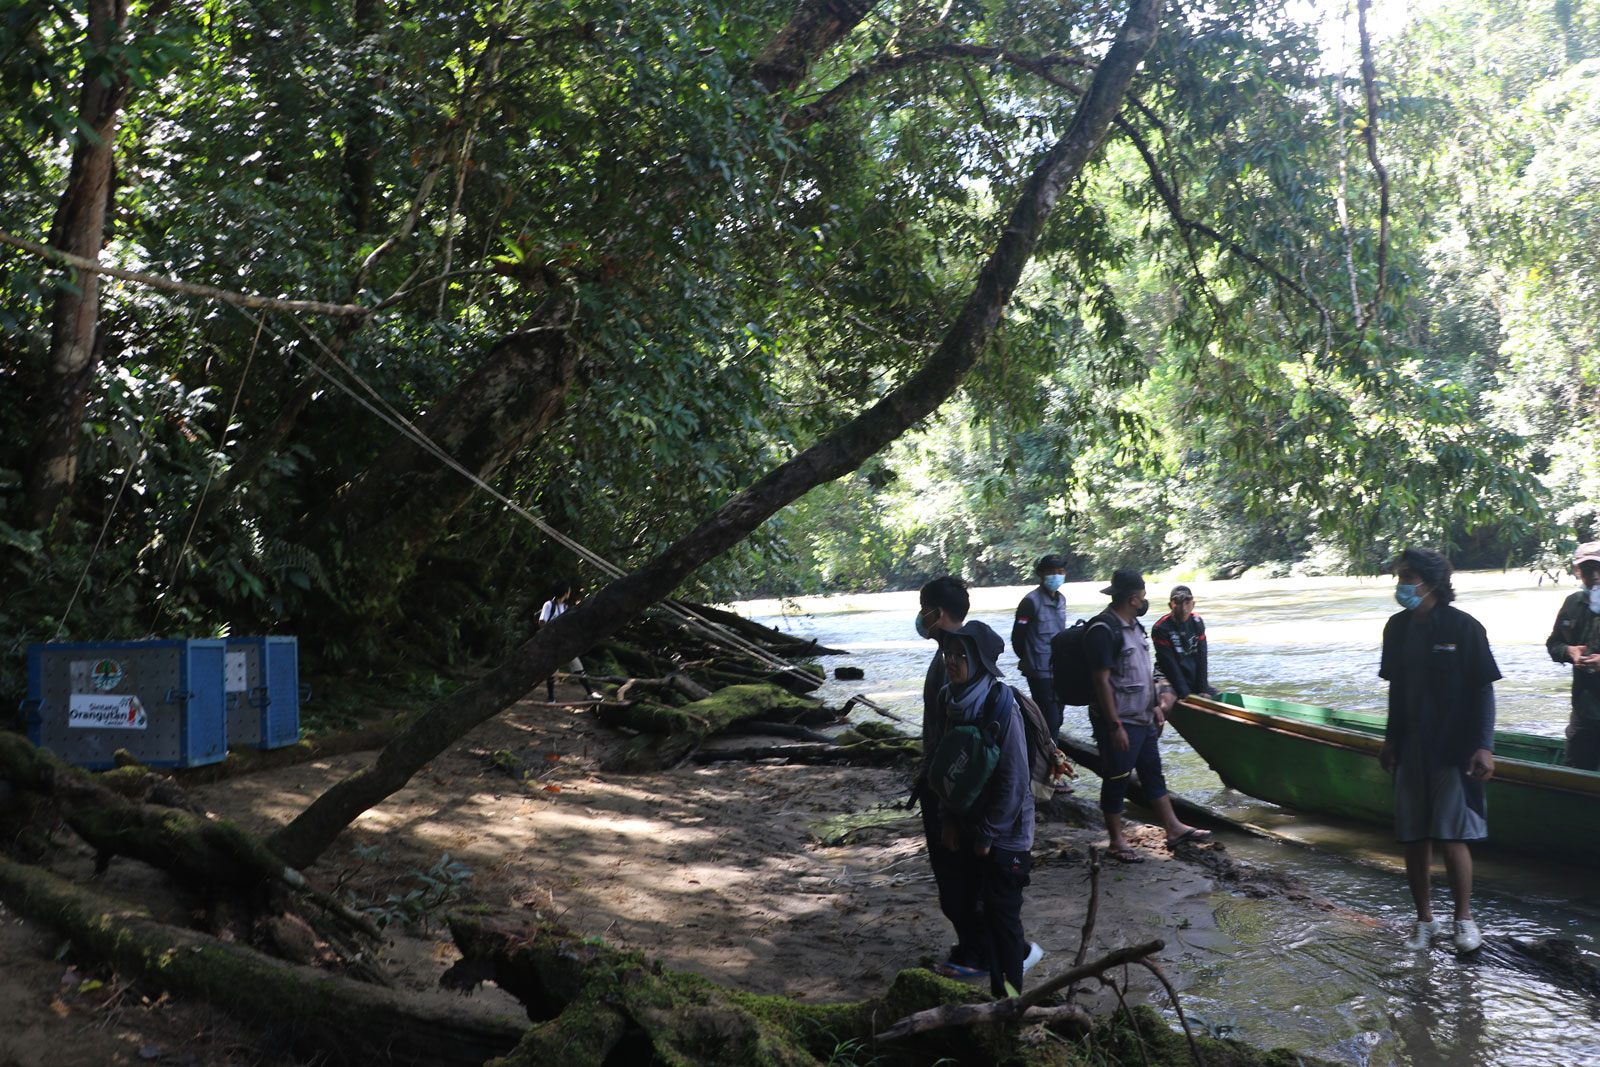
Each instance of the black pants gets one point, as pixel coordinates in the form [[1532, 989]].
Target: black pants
[[1583, 747], [985, 903], [1043, 690], [946, 876]]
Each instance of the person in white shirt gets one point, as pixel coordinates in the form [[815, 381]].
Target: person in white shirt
[[554, 608]]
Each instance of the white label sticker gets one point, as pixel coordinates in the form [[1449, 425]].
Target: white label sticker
[[95, 712], [236, 673]]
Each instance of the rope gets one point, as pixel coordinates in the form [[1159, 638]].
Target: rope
[[379, 406], [211, 472], [157, 282]]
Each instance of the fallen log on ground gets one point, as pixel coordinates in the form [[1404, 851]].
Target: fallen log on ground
[[872, 755], [210, 857], [1016, 1008], [598, 1006], [318, 1015], [669, 735]]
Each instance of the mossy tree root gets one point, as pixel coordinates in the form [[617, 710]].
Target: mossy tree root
[[599, 1006], [316, 1013]]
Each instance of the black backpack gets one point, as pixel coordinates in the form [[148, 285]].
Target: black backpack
[[1069, 662]]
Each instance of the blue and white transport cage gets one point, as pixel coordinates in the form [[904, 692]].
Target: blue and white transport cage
[[162, 701], [263, 691]]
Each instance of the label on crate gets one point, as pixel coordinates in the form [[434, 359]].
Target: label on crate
[[95, 712]]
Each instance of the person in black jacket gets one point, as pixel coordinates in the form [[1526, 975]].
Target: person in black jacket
[[1440, 737], [1180, 640], [1575, 639]]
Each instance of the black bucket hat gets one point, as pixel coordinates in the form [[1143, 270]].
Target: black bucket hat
[[982, 645]]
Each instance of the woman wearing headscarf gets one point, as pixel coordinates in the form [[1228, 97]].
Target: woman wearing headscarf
[[983, 894]]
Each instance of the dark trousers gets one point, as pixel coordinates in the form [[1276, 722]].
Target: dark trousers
[[985, 903], [1583, 747], [1143, 756], [946, 875], [1042, 688], [982, 898]]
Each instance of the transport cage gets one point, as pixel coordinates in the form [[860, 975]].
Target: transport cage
[[160, 700], [263, 691]]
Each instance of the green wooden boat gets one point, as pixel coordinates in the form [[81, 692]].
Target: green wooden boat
[[1323, 760]]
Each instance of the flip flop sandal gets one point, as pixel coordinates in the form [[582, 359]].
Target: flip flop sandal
[[1195, 834], [1125, 855]]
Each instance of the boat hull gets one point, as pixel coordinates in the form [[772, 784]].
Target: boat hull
[[1320, 760]]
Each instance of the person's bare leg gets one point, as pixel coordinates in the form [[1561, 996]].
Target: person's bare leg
[[1458, 867], [1117, 842], [1169, 818], [1419, 871]]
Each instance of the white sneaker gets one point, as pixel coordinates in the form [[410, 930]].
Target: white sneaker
[[1467, 935], [1422, 933], [1035, 954]]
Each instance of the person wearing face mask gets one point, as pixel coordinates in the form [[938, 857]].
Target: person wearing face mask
[[1041, 615], [1130, 706], [1439, 742], [1575, 639], [942, 608], [985, 853]]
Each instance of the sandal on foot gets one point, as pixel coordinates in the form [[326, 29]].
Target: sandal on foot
[[1125, 855], [1195, 834], [956, 970]]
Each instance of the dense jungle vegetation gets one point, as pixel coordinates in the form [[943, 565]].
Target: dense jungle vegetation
[[631, 263]]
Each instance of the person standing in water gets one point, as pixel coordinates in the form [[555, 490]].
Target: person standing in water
[[1439, 742], [1575, 639]]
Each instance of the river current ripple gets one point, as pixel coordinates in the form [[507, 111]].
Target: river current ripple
[[1337, 988]]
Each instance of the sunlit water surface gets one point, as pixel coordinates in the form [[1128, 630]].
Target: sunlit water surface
[[1337, 988]]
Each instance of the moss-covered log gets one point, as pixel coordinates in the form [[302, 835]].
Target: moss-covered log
[[670, 734], [318, 1014], [196, 850], [600, 1006]]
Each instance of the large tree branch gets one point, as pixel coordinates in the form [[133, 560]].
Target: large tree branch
[[840, 452], [815, 27], [888, 64]]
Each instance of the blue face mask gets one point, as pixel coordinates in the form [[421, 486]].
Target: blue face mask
[[1594, 600], [1053, 582], [1407, 596], [922, 628]]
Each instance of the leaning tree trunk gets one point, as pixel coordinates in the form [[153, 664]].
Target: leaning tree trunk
[[79, 228], [839, 453], [401, 504]]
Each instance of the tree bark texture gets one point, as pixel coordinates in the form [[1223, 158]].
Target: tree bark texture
[[401, 503], [815, 27], [79, 229], [321, 1015], [837, 454], [596, 1006]]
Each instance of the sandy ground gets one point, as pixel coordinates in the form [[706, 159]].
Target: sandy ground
[[798, 880]]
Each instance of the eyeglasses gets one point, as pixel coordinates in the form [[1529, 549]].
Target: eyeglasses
[[955, 655]]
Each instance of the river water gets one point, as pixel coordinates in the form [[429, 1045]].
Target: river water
[[1337, 988]]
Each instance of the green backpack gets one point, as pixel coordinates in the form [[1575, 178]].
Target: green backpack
[[964, 761]]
